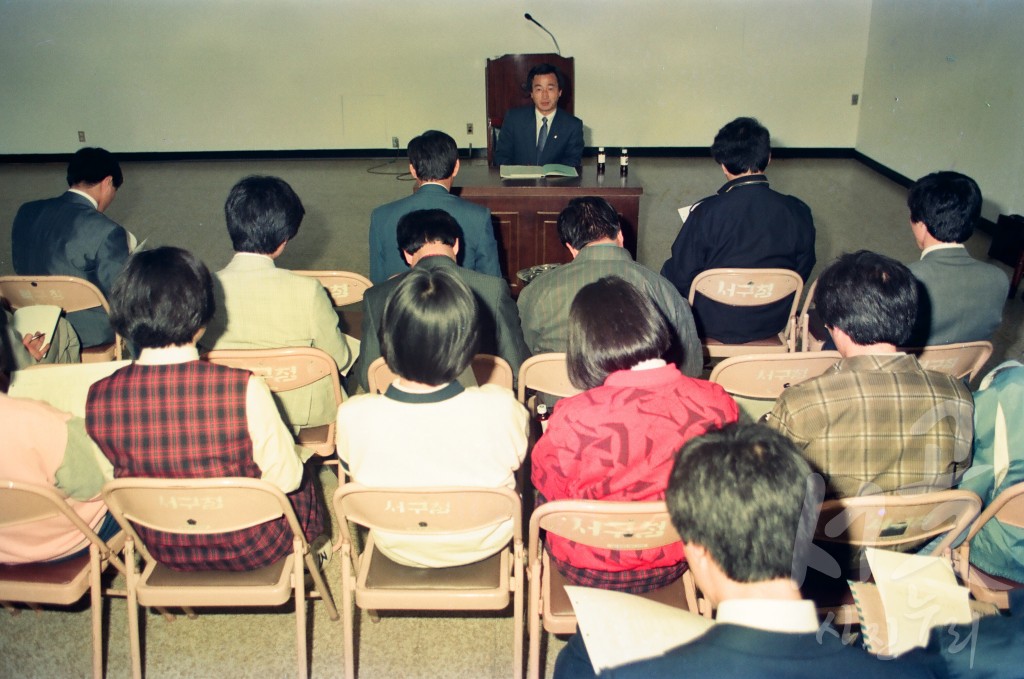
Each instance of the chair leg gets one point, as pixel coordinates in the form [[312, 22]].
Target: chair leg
[[320, 585], [534, 632], [133, 611], [300, 609], [517, 619], [96, 601]]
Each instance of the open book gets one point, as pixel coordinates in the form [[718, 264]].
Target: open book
[[537, 171], [620, 628]]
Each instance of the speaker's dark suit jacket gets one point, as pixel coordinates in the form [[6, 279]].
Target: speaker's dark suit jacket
[[479, 250], [959, 300], [500, 332], [67, 236], [517, 141]]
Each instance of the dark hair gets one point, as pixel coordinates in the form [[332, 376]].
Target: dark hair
[[587, 219], [433, 155], [428, 332], [544, 69], [739, 492], [742, 146], [162, 298], [948, 203], [870, 297], [92, 165], [262, 212], [612, 326], [419, 227]]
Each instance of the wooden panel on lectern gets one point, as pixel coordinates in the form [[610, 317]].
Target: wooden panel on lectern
[[506, 87]]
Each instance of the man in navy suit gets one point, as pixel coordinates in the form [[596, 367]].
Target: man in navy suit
[[433, 162], [960, 299], [541, 134], [738, 498], [70, 236]]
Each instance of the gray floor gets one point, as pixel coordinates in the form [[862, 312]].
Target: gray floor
[[180, 203]]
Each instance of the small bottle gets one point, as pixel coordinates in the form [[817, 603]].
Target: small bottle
[[624, 163], [542, 412], [600, 160]]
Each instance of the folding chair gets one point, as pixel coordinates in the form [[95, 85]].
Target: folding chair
[[287, 369], [372, 581], [487, 369], [61, 583], [69, 293], [963, 360], [750, 288], [889, 522], [203, 507], [757, 380], [811, 331], [609, 525], [547, 374], [1008, 509], [346, 290]]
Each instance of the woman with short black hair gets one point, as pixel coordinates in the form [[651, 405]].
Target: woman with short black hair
[[427, 429], [618, 439]]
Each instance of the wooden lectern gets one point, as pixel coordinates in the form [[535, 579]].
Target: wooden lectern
[[505, 79]]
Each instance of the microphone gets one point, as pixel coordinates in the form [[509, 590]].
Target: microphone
[[530, 18]]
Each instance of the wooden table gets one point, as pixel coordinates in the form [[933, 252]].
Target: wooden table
[[525, 211]]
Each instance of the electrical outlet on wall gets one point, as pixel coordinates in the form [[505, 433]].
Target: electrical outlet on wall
[[469, 128], [394, 142], [81, 135], [854, 99]]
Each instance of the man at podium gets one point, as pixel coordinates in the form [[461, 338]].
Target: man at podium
[[542, 133]]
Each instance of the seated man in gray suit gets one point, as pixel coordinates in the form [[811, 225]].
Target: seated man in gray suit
[[430, 239], [259, 306], [738, 499], [70, 236], [433, 162], [541, 133], [589, 228], [960, 299]]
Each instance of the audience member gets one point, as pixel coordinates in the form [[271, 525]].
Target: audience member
[[876, 422], [431, 239], [746, 225], [737, 498], [998, 548], [433, 163], [960, 299], [426, 429], [617, 440], [589, 228], [170, 415], [259, 306], [46, 447], [542, 133], [60, 346], [70, 236]]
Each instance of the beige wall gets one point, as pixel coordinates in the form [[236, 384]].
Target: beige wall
[[198, 75], [944, 89]]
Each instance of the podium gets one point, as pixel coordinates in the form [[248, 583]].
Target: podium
[[506, 87]]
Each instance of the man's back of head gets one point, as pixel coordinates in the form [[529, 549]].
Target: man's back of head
[[419, 228], [742, 146], [947, 203], [587, 220], [870, 297], [433, 156], [740, 494], [262, 213], [89, 166]]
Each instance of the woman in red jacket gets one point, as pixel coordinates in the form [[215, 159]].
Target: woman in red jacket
[[618, 439]]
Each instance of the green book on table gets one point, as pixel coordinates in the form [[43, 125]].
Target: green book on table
[[537, 171]]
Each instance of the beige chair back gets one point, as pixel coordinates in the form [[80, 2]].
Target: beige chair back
[[487, 369], [345, 289], [891, 522], [600, 524], [70, 294], [1008, 509], [757, 380], [203, 507], [750, 288], [962, 360], [372, 581], [547, 374], [286, 369], [62, 583]]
